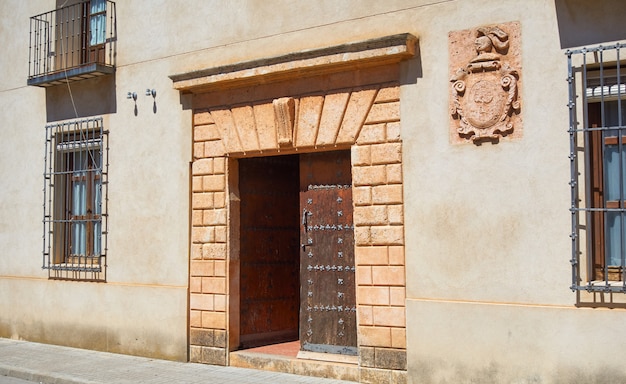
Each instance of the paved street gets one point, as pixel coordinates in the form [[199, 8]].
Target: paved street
[[43, 363], [13, 380]]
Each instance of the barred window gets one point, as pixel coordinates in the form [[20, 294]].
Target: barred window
[[597, 131], [75, 196]]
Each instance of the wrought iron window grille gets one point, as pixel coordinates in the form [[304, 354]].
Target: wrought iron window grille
[[75, 218], [597, 134]]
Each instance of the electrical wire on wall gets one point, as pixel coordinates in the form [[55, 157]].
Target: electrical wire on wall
[[69, 88]]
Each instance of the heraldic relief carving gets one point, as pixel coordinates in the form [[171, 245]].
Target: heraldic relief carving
[[484, 91]]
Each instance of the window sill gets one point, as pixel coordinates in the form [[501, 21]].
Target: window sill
[[603, 286], [79, 263]]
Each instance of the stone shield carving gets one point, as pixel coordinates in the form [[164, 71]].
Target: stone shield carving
[[485, 90]]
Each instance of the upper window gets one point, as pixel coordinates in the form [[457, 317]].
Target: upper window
[[597, 80], [97, 22], [72, 43], [75, 191]]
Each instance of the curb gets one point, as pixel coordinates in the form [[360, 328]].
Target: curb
[[39, 377]]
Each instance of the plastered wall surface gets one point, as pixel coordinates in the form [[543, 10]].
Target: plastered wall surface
[[141, 309], [118, 318], [486, 245], [483, 218], [487, 249], [489, 343]]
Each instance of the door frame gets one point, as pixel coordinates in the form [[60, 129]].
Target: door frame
[[357, 110]]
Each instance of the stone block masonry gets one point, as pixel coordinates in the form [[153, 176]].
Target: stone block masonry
[[208, 292], [365, 119]]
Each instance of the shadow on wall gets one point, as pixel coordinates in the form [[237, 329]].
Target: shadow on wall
[[91, 97], [584, 22], [411, 69]]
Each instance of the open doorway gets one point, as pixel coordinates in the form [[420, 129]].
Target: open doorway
[[269, 263], [297, 252]]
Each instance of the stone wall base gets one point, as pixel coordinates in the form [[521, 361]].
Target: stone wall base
[[207, 355], [382, 376]]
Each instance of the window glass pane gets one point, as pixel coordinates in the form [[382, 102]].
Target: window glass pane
[[97, 238], [97, 22], [614, 233], [611, 114], [96, 160], [79, 208], [97, 206], [612, 169], [85, 197], [98, 6], [614, 172], [97, 226], [79, 198], [79, 243]]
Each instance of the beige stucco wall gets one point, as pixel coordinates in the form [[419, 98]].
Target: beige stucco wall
[[487, 227], [491, 221], [481, 342], [142, 308]]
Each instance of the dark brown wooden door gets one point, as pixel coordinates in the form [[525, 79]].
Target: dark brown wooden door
[[327, 270]]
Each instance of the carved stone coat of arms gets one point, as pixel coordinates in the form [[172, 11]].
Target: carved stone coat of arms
[[484, 91]]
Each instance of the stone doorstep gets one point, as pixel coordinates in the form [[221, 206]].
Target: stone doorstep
[[328, 357], [306, 365]]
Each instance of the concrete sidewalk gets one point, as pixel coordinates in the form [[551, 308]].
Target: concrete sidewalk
[[43, 363]]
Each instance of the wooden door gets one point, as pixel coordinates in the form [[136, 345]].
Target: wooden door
[[327, 270]]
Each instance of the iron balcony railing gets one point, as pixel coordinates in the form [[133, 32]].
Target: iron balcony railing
[[72, 43]]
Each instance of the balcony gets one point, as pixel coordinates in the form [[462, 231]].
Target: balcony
[[72, 43]]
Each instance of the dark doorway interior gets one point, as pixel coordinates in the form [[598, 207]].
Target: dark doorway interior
[[269, 269]]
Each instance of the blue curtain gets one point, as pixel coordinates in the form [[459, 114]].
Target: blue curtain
[[97, 22], [97, 225], [86, 182], [614, 167], [79, 208]]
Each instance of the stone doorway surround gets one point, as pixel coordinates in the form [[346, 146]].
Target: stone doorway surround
[[342, 97]]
